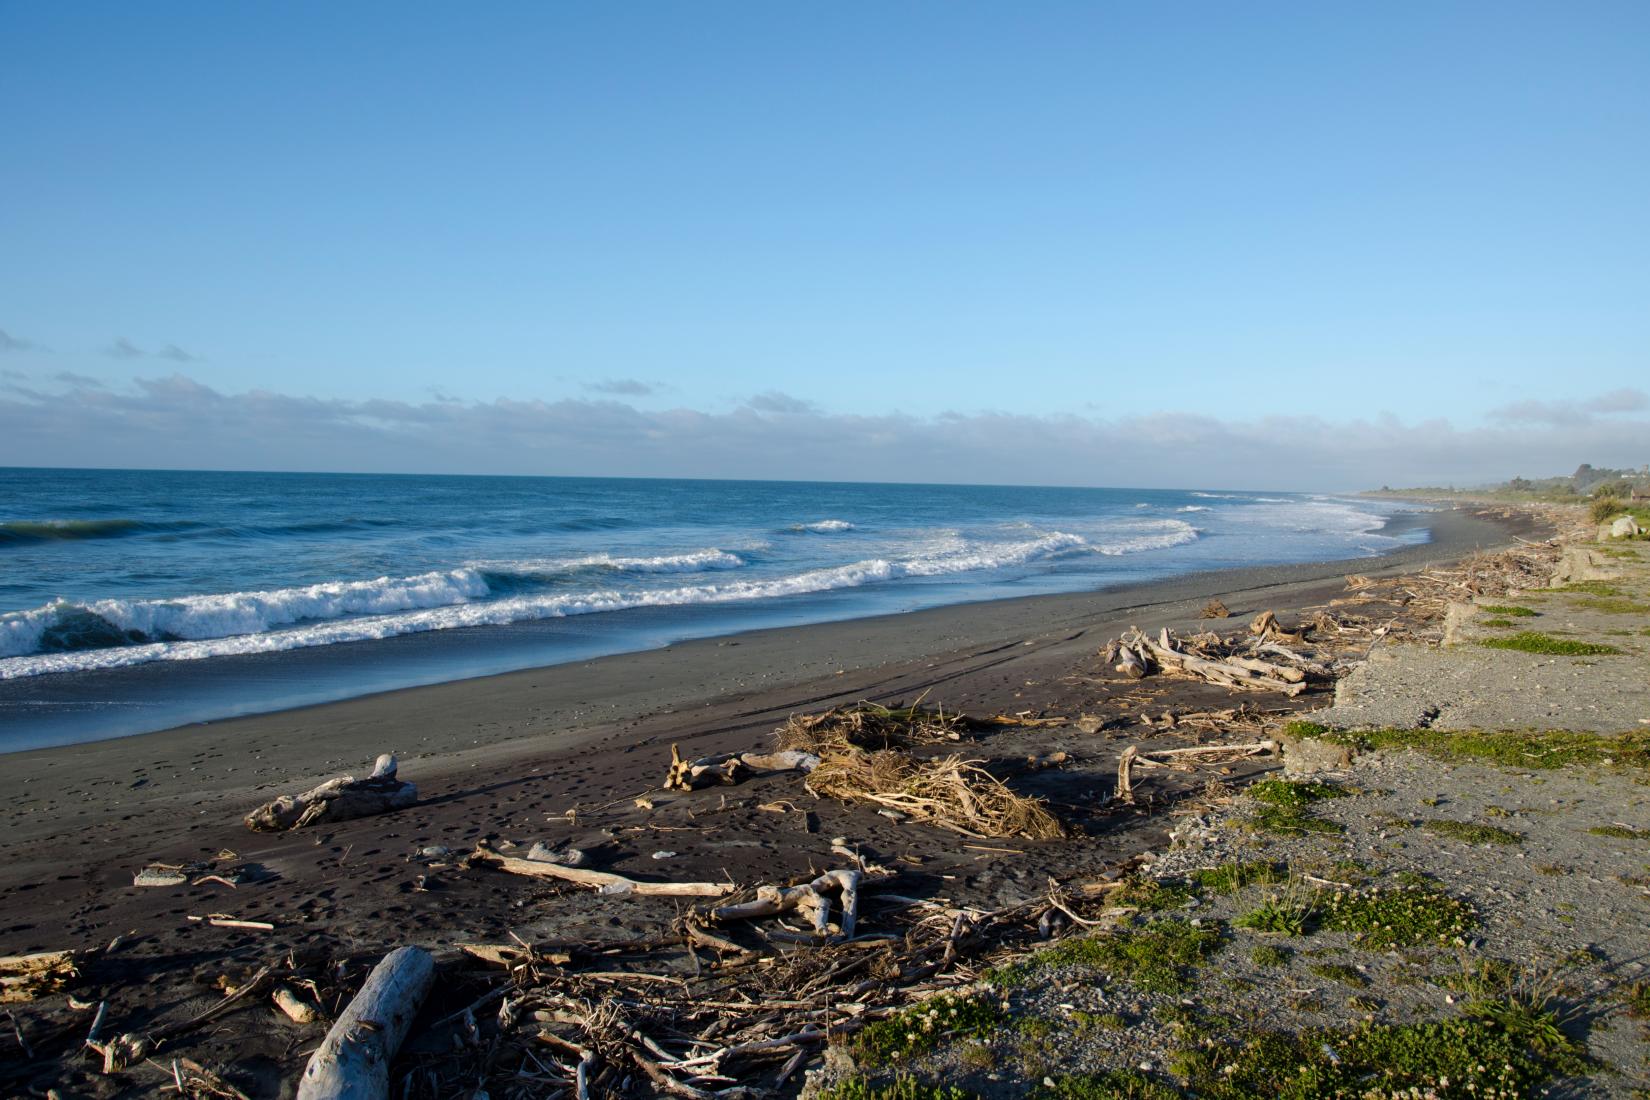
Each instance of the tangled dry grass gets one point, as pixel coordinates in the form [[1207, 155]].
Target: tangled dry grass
[[950, 792], [869, 726], [865, 757]]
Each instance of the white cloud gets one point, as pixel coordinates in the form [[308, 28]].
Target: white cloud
[[176, 421], [1572, 412]]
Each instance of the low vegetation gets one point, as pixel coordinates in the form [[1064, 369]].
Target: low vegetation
[[1403, 916], [1471, 833], [1156, 957], [1530, 641], [902, 1087], [1510, 610], [922, 1026], [1285, 806], [1524, 749]]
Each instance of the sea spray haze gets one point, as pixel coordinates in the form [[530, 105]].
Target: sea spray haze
[[112, 569]]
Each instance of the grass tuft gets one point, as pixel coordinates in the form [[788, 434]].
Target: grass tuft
[[1510, 610]]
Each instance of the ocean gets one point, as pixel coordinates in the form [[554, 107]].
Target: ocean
[[105, 571]]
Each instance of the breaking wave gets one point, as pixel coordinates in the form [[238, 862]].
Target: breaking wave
[[824, 526], [65, 636]]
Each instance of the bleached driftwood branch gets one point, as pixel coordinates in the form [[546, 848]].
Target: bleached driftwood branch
[[605, 881], [337, 800], [353, 1061], [1132, 757]]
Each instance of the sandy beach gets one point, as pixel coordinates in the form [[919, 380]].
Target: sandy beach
[[506, 758]]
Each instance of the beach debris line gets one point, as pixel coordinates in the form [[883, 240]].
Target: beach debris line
[[1186, 759], [337, 800], [812, 899], [1232, 661], [354, 1059], [605, 882]]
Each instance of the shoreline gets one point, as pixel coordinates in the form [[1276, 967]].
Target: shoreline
[[734, 687], [70, 709]]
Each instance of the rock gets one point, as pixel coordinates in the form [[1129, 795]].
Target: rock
[[1313, 756], [1625, 527]]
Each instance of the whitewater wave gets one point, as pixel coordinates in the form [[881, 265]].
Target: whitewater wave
[[114, 633], [824, 526], [697, 561], [1193, 508]]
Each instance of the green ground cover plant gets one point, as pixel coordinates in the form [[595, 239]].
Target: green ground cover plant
[[1270, 955], [1620, 832], [922, 1026], [1489, 1052], [1509, 610], [1229, 878], [1524, 749], [1285, 806], [1472, 833], [1403, 916], [1496, 622], [1157, 956], [1120, 1085], [1586, 588], [903, 1087], [1530, 641]]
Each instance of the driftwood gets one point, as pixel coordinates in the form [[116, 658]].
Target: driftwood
[[1127, 657], [297, 1008], [729, 768], [353, 1061], [811, 898], [604, 881], [25, 977], [1244, 674], [337, 800], [1132, 757], [1265, 626]]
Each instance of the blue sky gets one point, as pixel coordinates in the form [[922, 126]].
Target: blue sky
[[1107, 211]]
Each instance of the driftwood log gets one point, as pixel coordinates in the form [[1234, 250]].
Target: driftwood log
[[25, 977], [1244, 674], [729, 768], [337, 800], [812, 899], [605, 881], [1132, 757], [353, 1061]]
